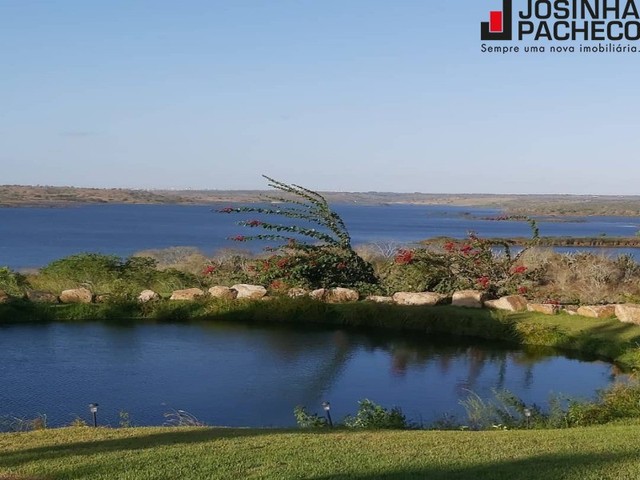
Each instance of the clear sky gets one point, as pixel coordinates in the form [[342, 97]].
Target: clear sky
[[352, 95]]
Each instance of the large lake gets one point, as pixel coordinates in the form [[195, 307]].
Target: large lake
[[32, 237], [238, 375]]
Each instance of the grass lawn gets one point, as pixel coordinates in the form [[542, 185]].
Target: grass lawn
[[605, 452]]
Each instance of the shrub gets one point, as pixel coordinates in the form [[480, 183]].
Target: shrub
[[92, 270], [308, 256], [308, 420], [374, 416], [12, 283]]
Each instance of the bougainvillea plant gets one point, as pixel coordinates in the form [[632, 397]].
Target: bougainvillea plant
[[314, 244]]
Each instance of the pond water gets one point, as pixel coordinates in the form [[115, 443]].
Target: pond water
[[241, 375], [33, 237]]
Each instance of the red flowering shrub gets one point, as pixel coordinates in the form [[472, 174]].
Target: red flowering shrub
[[474, 263], [403, 257]]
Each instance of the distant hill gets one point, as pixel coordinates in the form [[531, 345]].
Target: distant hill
[[540, 205]]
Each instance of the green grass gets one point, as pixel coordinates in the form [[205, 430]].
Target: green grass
[[606, 452]]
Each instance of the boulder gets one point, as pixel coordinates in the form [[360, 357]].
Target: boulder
[[186, 294], [41, 297], [570, 309], [249, 291], [468, 298], [219, 291], [379, 299], [318, 294], [628, 313], [76, 295], [341, 295], [597, 311], [418, 298], [510, 303], [297, 292], [4, 298], [148, 296], [546, 308]]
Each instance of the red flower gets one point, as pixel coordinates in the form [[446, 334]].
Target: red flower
[[208, 270], [254, 223], [522, 290], [282, 262], [238, 238], [404, 257], [466, 248], [484, 282], [449, 246], [226, 210], [276, 285], [341, 266], [519, 269]]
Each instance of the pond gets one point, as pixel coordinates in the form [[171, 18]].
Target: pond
[[242, 375]]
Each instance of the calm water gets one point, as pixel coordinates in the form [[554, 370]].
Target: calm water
[[32, 237], [248, 376]]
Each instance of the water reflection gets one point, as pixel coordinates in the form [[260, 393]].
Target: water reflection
[[233, 374]]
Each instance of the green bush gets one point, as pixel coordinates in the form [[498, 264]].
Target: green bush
[[94, 271], [374, 416], [315, 245], [308, 420], [12, 283]]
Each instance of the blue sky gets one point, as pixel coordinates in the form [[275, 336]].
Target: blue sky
[[351, 95]]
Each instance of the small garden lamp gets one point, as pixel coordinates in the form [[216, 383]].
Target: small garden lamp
[[527, 415], [327, 409], [93, 408]]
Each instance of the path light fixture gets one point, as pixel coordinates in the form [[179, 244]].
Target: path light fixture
[[93, 408], [327, 410], [527, 415]]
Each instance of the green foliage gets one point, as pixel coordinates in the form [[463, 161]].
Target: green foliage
[[460, 265], [373, 416], [314, 267], [308, 420], [91, 270], [315, 246], [124, 419], [622, 401], [619, 402], [12, 283]]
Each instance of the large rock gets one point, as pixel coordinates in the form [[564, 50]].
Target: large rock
[[223, 292], [186, 294], [628, 313], [4, 298], [418, 298], [510, 303], [254, 292], [468, 298], [76, 295], [297, 292], [597, 311], [379, 299], [318, 294], [546, 308], [41, 297], [148, 296], [341, 295]]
